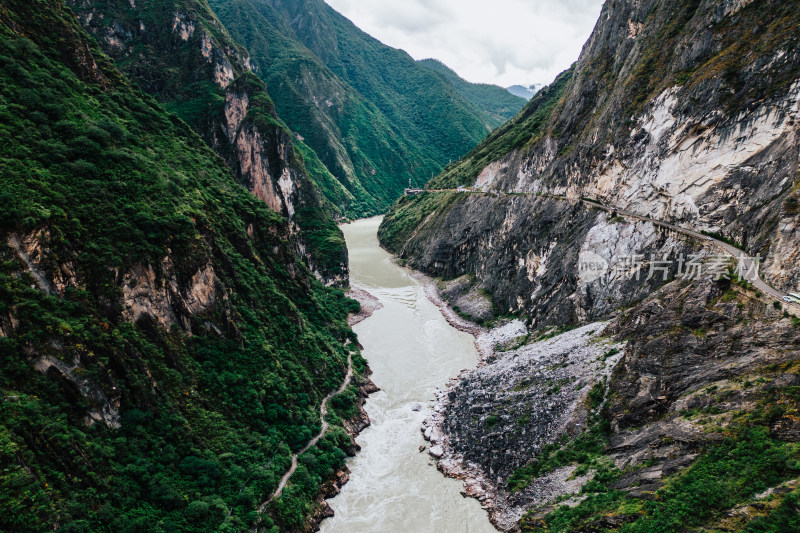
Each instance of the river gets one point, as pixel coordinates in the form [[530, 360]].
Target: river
[[412, 351]]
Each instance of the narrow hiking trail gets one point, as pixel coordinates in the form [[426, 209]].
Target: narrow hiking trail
[[325, 425], [750, 264]]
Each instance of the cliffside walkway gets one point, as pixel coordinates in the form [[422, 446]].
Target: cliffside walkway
[[323, 408], [749, 267]]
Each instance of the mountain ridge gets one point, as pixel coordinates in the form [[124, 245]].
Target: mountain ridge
[[375, 118], [492, 100], [525, 91]]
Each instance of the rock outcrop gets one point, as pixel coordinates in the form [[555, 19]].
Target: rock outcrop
[[525, 252], [490, 422], [671, 377]]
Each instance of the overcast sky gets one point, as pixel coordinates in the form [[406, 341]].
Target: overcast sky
[[504, 42]]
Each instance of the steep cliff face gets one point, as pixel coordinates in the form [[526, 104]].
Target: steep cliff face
[[685, 111], [660, 420], [181, 53], [163, 346], [681, 111], [526, 252]]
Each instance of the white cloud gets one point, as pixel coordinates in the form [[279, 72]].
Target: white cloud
[[502, 42]]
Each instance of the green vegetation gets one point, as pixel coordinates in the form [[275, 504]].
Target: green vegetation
[[492, 421], [723, 238], [497, 104], [549, 333], [512, 344], [373, 116], [597, 395], [345, 405], [328, 185], [409, 213], [105, 181], [728, 473], [584, 451], [182, 74], [171, 69], [785, 518]]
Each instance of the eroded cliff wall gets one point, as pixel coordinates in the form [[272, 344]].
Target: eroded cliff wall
[[682, 112], [685, 111]]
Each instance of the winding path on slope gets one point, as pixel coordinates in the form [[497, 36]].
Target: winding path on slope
[[323, 411], [750, 267]]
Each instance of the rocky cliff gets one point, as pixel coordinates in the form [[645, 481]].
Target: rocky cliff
[[181, 53], [677, 111], [662, 418], [684, 111]]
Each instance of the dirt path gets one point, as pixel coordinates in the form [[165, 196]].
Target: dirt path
[[323, 411], [750, 269]]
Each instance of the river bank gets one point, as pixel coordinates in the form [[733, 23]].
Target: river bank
[[369, 304], [459, 383], [355, 425], [472, 417]]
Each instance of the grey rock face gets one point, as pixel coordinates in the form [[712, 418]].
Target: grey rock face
[[674, 110], [525, 252], [502, 414], [690, 359], [680, 110], [496, 419], [684, 338]]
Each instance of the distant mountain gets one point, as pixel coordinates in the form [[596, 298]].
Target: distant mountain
[[525, 91], [374, 116], [494, 102]]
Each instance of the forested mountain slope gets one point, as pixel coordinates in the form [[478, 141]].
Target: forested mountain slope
[[497, 104], [180, 53], [375, 117], [163, 347]]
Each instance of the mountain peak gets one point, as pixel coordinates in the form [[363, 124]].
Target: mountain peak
[[525, 91]]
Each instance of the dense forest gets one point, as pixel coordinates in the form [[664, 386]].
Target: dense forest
[[163, 348], [374, 117], [178, 52], [498, 105]]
